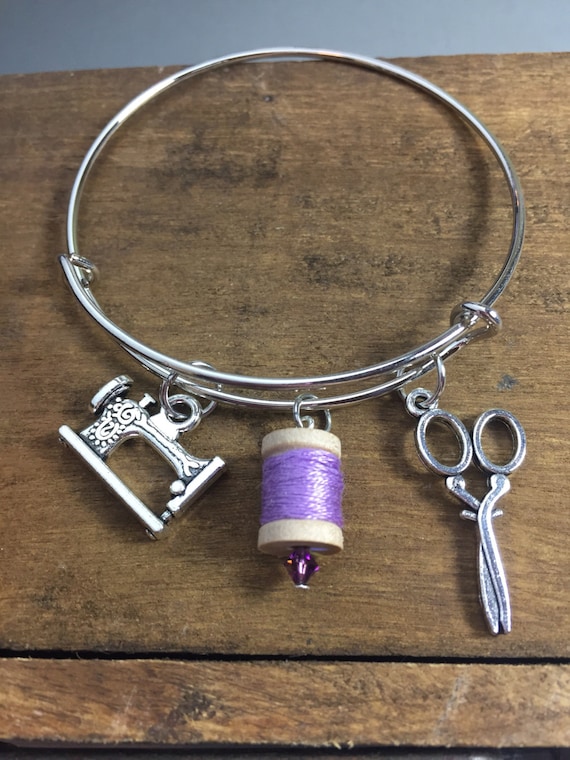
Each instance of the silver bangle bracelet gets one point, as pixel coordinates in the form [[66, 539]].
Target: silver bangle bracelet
[[298, 518], [467, 321]]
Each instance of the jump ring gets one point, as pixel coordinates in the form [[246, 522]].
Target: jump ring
[[432, 401], [420, 399], [169, 404], [212, 404], [306, 420], [189, 421], [416, 402]]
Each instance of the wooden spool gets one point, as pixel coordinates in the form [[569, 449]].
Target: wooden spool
[[281, 537]]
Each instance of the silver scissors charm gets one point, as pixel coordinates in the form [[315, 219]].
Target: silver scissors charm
[[493, 587]]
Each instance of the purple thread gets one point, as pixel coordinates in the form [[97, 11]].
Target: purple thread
[[302, 484]]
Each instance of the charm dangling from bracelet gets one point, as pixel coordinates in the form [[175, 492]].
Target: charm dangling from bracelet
[[301, 493]]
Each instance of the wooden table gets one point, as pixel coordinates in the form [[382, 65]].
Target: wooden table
[[282, 219]]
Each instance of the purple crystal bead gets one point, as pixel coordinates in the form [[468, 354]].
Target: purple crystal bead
[[301, 565]]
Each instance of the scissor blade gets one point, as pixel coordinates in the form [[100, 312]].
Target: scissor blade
[[487, 594], [495, 572]]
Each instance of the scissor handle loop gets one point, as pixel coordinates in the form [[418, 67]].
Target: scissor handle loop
[[517, 433], [461, 433]]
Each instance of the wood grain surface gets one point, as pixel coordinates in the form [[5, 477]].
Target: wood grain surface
[[285, 219], [340, 705]]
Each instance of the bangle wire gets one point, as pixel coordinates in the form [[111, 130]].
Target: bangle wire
[[468, 321]]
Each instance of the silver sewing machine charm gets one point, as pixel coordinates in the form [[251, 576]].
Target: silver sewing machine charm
[[119, 419]]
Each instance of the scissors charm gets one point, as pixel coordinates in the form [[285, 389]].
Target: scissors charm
[[493, 586]]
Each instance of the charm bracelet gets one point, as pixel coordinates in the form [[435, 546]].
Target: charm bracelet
[[302, 479]]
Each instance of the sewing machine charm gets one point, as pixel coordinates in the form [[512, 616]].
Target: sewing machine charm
[[119, 419]]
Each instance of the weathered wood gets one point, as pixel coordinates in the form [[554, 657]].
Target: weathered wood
[[283, 218], [289, 703]]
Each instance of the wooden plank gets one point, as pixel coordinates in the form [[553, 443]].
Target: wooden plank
[[282, 218], [287, 703]]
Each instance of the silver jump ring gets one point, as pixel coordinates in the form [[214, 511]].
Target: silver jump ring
[[212, 404], [305, 420], [420, 399], [170, 403], [417, 402], [279, 393], [164, 399], [185, 422]]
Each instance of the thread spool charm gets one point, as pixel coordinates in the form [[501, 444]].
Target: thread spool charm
[[301, 511]]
